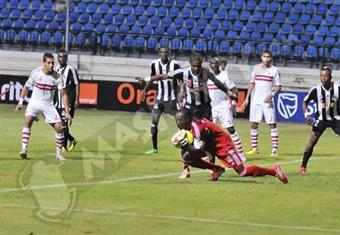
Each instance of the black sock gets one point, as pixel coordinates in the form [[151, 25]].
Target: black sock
[[306, 156], [154, 133]]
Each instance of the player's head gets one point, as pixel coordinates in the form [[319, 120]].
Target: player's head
[[223, 64], [196, 63], [215, 64], [48, 62], [325, 74], [62, 57], [266, 57], [183, 119], [164, 53]]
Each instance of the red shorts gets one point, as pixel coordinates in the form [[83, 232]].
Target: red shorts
[[230, 158]]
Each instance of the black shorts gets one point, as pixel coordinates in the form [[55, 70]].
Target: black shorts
[[321, 126], [165, 106], [201, 111]]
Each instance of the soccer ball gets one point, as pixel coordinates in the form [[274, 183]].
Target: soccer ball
[[175, 140]]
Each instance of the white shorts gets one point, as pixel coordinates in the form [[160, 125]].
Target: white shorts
[[49, 111], [223, 114], [257, 111]]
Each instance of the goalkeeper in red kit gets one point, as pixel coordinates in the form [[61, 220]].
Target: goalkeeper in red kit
[[208, 137]]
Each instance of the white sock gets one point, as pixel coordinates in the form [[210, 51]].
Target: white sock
[[274, 133], [25, 138], [254, 134]]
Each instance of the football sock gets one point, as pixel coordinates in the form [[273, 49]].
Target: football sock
[[259, 171], [59, 140], [306, 156], [154, 133], [25, 137], [237, 142], [274, 133], [254, 134]]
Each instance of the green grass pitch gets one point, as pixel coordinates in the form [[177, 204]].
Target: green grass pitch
[[108, 186]]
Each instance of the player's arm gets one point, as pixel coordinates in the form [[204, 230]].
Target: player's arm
[[23, 94], [270, 97], [64, 97], [312, 95], [246, 100], [76, 82]]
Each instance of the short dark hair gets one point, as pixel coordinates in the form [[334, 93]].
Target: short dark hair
[[267, 51], [47, 55], [328, 69], [196, 57], [62, 50]]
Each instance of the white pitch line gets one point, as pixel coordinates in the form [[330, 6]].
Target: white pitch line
[[84, 184], [181, 218]]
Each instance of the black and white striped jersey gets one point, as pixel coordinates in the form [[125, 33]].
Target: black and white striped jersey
[[166, 88], [196, 87], [71, 81], [327, 102]]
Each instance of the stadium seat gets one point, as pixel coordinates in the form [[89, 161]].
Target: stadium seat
[[224, 47], [23, 4], [92, 8], [187, 45], [268, 37], [175, 45], [334, 54], [203, 3], [128, 42], [286, 51], [115, 9], [321, 9], [298, 52], [81, 7], [41, 25], [57, 39], [157, 3], [136, 29], [227, 5], [111, 29], [215, 4], [100, 29], [219, 35], [316, 20], [166, 22], [162, 12], [139, 11], [26, 14], [257, 16], [76, 27], [334, 31], [244, 36], [145, 3], [244, 16], [255, 36], [200, 46], [286, 7], [286, 29], [174, 12], [268, 17], [208, 33], [186, 12], [151, 11], [22, 36], [159, 31], [147, 30], [115, 42], [305, 39], [131, 20], [183, 33], [323, 52], [209, 13], [298, 29], [260, 47], [178, 22], [30, 24], [248, 49], [329, 41], [274, 6], [88, 27], [280, 18], [220, 14], [96, 18], [168, 3], [231, 35], [238, 4], [118, 19], [202, 24], [212, 46], [195, 33], [171, 31], [293, 18], [237, 48], [103, 8], [309, 9], [250, 27], [275, 49], [334, 10], [105, 41], [45, 38], [35, 5], [190, 23], [237, 26], [304, 19], [164, 42], [18, 24], [180, 3], [232, 15], [311, 54], [197, 13], [263, 5], [329, 20], [273, 28], [225, 25], [108, 19], [33, 37], [10, 35], [261, 27], [323, 31]]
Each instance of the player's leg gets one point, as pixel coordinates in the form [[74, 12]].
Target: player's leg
[[255, 117], [68, 137], [52, 117], [156, 114], [269, 115], [195, 160]]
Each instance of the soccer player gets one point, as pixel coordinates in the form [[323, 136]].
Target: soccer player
[[326, 98], [71, 81], [263, 77], [166, 99], [222, 108], [44, 81], [208, 137]]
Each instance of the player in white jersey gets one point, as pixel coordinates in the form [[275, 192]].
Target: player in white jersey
[[222, 108], [44, 81], [265, 83]]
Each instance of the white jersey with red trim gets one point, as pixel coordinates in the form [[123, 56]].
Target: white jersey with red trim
[[217, 96], [44, 86], [264, 79]]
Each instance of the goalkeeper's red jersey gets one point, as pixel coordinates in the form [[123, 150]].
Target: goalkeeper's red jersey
[[216, 140]]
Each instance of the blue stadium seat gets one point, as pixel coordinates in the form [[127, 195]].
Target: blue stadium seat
[[274, 6], [183, 33], [203, 3], [136, 29], [164, 42], [2, 36], [180, 3], [116, 41], [189, 23], [261, 27], [281, 37], [280, 18], [329, 41], [286, 51], [200, 46], [334, 31], [122, 2], [255, 36], [335, 54], [30, 24], [147, 30], [305, 39], [328, 2], [171, 31], [257, 16], [227, 4], [251, 5], [103, 8], [123, 29], [151, 11], [232, 14], [26, 14], [162, 12], [286, 28], [111, 29], [10, 35], [214, 24], [209, 13], [321, 9], [292, 39], [39, 15], [293, 18], [41, 25], [131, 20], [115, 9], [286, 7], [212, 46], [225, 25], [208, 33], [311, 53], [329, 20], [237, 26], [323, 31], [197, 13], [118, 19], [268, 17], [275, 49], [81, 7], [273, 28], [15, 14], [215, 4], [238, 4], [105, 41], [244, 36], [35, 5], [178, 22], [145, 3], [139, 11], [57, 39], [304, 19], [231, 35], [13, 4], [92, 8], [100, 29], [76, 27], [224, 47], [108, 18], [309, 9], [268, 37], [260, 47], [166, 22], [80, 39], [337, 22], [151, 44], [298, 8], [173, 12], [250, 27], [23, 4], [219, 35], [96, 18], [244, 16], [310, 29], [88, 27], [202, 24], [140, 43], [45, 38], [159, 30], [195, 33], [33, 37], [334, 10], [168, 3], [157, 3], [220, 14], [128, 42], [298, 29], [186, 12], [318, 40], [323, 52], [263, 6], [316, 20], [187, 45], [18, 24], [22, 37], [248, 49], [175, 45]]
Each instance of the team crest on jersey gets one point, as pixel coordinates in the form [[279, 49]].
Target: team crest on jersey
[[287, 104]]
